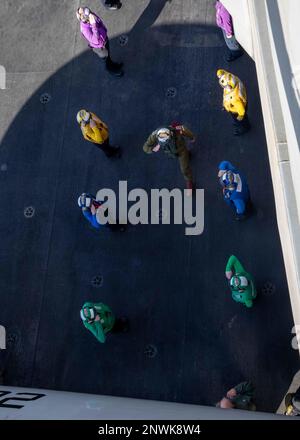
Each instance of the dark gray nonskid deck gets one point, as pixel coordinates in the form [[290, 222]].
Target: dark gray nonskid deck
[[188, 341]]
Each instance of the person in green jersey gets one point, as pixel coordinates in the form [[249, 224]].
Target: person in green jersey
[[99, 319], [241, 282]]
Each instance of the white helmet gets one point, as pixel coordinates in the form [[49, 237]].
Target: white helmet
[[83, 116], [84, 201], [90, 313], [163, 134], [83, 13]]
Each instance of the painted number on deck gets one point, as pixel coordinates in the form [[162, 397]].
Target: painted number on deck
[[31, 396]]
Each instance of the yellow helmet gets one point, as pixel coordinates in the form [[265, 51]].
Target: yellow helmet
[[83, 116], [220, 72]]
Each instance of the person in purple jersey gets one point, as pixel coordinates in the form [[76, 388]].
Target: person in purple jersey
[[94, 31], [224, 21]]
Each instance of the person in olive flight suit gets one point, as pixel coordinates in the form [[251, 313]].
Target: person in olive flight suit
[[239, 397], [171, 140]]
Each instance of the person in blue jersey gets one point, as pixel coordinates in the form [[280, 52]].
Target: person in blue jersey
[[235, 189], [89, 206]]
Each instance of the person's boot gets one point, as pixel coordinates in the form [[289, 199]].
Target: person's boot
[[116, 72], [233, 55], [241, 129], [240, 217], [113, 68], [189, 187]]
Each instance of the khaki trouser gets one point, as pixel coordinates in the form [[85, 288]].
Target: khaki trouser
[[184, 162]]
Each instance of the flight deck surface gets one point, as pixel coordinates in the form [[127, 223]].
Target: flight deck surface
[[171, 286]]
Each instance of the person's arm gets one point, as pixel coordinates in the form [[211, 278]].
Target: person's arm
[[233, 265], [150, 143], [240, 109], [84, 131], [253, 288], [96, 119], [187, 133], [219, 20], [96, 329], [91, 218], [227, 24], [91, 31], [248, 303], [95, 135], [91, 132]]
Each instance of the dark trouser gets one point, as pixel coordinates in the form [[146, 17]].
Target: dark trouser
[[248, 210], [232, 45], [184, 162], [240, 127], [110, 65], [108, 149]]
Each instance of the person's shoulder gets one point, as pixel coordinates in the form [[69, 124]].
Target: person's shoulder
[[154, 133]]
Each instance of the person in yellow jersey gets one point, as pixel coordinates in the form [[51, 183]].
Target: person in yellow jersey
[[96, 131], [234, 100], [292, 403]]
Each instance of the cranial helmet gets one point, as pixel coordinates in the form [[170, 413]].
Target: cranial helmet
[[84, 201], [83, 116], [163, 134], [228, 180], [226, 79], [89, 315], [238, 281], [83, 13]]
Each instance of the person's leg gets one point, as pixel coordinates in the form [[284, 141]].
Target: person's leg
[[240, 127], [111, 66], [109, 150], [235, 50], [184, 162], [104, 54]]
